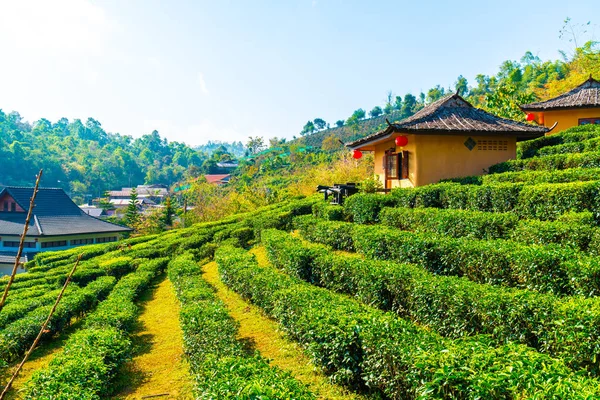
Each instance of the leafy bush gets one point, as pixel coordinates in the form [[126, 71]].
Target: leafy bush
[[553, 269], [222, 367], [17, 336], [548, 163], [563, 327], [364, 208], [362, 347], [92, 356], [530, 148], [454, 223], [330, 212]]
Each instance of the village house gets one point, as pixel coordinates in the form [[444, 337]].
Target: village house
[[154, 193], [217, 179], [580, 106], [446, 139], [57, 223]]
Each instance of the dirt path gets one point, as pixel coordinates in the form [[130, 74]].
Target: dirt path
[[264, 333], [158, 369]]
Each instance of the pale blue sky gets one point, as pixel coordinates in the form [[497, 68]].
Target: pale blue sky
[[225, 70]]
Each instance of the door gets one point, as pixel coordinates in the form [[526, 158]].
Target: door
[[391, 168]]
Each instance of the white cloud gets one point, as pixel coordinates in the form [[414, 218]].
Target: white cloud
[[202, 83]]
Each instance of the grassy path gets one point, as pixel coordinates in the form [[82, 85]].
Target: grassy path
[[158, 370], [266, 337]]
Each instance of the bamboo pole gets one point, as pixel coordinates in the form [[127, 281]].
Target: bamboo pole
[[42, 329], [22, 242]]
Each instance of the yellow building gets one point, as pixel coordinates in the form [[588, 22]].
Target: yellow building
[[447, 139], [580, 106]]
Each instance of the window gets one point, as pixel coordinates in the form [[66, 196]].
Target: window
[[76, 242], [26, 245], [13, 207], [106, 239], [492, 145], [396, 165], [57, 243], [588, 121], [6, 206], [391, 166]]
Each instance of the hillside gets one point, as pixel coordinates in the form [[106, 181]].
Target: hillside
[[429, 291], [348, 133], [517, 82], [85, 160]]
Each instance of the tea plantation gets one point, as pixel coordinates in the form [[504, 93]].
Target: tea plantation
[[476, 288]]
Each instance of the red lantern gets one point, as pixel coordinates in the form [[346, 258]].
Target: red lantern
[[530, 117], [401, 141], [357, 154]]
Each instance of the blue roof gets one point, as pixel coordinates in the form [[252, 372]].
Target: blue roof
[[54, 214]]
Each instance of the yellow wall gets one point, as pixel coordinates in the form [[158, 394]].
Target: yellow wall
[[412, 162], [436, 157], [565, 118]]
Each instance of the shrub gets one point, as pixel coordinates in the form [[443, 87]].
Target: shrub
[[362, 347], [221, 366], [553, 269], [364, 208], [548, 163], [454, 223]]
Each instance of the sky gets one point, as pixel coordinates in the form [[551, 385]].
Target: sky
[[226, 70]]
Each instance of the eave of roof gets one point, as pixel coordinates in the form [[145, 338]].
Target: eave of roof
[[586, 95], [452, 115]]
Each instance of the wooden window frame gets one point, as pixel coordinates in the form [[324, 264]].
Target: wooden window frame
[[589, 121], [400, 168]]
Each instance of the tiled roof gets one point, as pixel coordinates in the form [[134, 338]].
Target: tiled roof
[[48, 201], [586, 95], [54, 214], [453, 115], [216, 178]]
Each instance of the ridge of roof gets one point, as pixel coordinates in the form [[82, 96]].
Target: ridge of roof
[[585, 95], [454, 115]]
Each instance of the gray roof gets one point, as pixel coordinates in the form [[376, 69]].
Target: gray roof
[[54, 214], [93, 211], [586, 95], [453, 115]]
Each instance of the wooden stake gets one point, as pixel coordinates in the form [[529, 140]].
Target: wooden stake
[[22, 242], [43, 328]]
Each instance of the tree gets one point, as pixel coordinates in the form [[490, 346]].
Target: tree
[[461, 85], [339, 123], [408, 106], [132, 216], [168, 211], [359, 114], [319, 123], [435, 93], [375, 112], [308, 128], [255, 144], [398, 103]]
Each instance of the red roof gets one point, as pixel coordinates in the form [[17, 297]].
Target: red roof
[[217, 178]]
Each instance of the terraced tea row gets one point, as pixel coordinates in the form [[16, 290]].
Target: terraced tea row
[[222, 365], [568, 328], [562, 271], [369, 349]]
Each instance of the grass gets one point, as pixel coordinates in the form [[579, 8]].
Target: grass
[[264, 334], [39, 359], [159, 369]]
